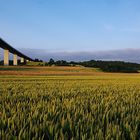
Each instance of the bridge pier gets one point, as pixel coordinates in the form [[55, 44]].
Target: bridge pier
[[6, 57], [9, 49], [22, 60], [15, 60]]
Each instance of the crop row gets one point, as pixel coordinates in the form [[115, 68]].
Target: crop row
[[69, 109]]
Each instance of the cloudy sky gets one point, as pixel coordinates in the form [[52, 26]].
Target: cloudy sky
[[73, 29]]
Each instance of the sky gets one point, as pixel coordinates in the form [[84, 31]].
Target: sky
[[71, 26]]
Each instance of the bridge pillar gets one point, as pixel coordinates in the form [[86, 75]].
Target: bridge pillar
[[15, 60], [22, 60], [6, 57]]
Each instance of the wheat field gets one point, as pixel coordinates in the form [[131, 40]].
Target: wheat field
[[99, 106]]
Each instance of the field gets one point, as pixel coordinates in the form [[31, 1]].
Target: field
[[68, 103]]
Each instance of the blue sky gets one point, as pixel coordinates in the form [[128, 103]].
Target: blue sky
[[71, 25]]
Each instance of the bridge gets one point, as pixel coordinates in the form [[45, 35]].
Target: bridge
[[8, 48]]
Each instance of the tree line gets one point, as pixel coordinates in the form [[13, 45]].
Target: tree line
[[107, 66]]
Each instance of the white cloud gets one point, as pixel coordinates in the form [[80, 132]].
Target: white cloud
[[129, 55]]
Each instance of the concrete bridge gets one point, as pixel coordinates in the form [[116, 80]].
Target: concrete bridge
[[8, 48]]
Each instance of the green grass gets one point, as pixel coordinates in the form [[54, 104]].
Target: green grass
[[35, 63], [16, 69]]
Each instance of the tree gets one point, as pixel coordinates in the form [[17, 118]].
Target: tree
[[51, 62], [37, 60]]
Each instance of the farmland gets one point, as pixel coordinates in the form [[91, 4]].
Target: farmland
[[68, 103]]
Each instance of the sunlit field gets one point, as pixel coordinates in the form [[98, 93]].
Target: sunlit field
[[45, 71], [74, 103]]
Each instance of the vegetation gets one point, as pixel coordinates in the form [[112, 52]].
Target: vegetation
[[70, 107], [47, 70], [16, 69], [107, 66], [11, 63], [113, 66], [39, 63]]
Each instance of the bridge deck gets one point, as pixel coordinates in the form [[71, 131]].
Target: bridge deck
[[5, 45]]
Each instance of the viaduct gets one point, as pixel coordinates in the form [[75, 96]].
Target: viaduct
[[8, 48]]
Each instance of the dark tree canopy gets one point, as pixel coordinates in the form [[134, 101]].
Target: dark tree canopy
[[107, 66]]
